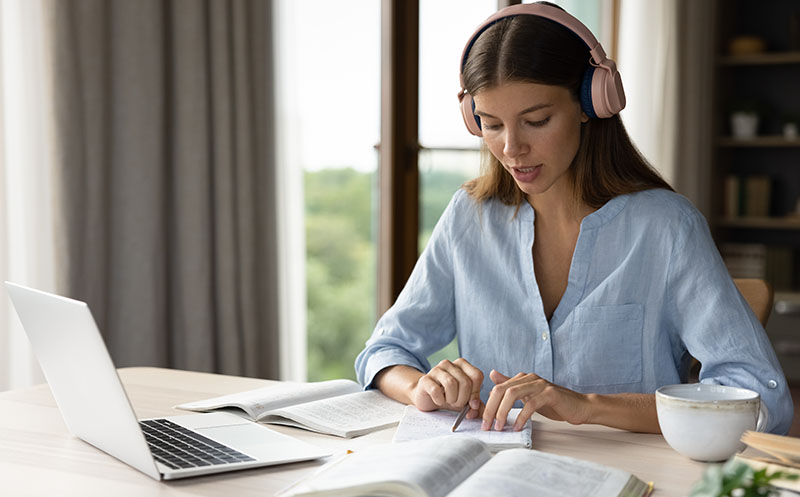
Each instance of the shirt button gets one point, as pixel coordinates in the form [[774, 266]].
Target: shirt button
[[544, 336], [772, 384]]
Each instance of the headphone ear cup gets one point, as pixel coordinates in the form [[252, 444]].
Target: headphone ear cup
[[608, 96], [586, 93], [472, 121]]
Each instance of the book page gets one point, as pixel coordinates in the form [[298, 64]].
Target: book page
[[785, 448], [434, 466], [257, 402], [345, 416], [417, 424], [531, 472]]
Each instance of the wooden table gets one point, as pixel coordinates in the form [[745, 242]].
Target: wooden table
[[38, 456]]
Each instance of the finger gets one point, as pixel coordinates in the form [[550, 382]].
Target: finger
[[475, 375], [447, 376], [493, 402], [498, 377], [432, 389], [475, 408], [476, 379], [512, 394], [475, 412], [464, 387], [524, 415]]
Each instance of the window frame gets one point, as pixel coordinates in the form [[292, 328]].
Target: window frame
[[398, 167]]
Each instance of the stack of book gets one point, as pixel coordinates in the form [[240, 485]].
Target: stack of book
[[745, 260], [773, 263], [747, 196]]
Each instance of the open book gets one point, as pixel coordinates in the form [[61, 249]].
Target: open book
[[785, 452], [783, 448], [336, 407], [462, 466], [416, 425]]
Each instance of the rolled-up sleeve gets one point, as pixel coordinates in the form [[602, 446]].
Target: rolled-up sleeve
[[422, 320], [718, 327]]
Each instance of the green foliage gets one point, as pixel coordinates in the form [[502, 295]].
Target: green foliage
[[345, 194], [341, 262], [450, 352], [437, 188], [737, 479], [340, 270]]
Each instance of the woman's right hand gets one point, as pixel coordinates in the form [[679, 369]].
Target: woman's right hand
[[450, 385]]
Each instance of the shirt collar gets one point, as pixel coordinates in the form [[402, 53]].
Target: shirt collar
[[606, 213]]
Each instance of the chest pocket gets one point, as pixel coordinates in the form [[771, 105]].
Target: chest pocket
[[605, 345]]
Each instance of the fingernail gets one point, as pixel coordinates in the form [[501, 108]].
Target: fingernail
[[485, 425], [497, 425], [474, 403]]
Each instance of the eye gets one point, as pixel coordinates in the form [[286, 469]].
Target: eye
[[490, 127], [538, 124]]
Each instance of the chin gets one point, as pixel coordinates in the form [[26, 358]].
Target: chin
[[530, 188]]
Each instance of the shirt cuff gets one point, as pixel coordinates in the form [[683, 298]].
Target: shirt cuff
[[383, 359]]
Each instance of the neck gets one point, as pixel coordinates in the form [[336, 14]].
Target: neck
[[558, 206]]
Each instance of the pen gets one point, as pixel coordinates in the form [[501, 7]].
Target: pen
[[460, 417]]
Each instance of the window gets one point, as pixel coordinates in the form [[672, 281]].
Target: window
[[597, 15], [328, 76], [448, 155]]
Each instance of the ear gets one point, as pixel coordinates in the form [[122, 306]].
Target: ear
[[584, 117]]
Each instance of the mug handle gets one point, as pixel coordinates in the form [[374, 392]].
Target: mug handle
[[763, 417]]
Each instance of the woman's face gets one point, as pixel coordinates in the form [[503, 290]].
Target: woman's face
[[533, 130]]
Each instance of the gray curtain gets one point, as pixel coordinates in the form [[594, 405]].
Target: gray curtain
[[165, 178], [692, 148]]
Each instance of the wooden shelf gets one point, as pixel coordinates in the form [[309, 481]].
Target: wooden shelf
[[762, 59], [759, 141], [767, 223]]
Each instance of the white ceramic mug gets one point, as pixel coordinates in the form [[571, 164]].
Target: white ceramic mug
[[705, 422]]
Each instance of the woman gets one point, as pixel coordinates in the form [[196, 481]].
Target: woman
[[569, 271]]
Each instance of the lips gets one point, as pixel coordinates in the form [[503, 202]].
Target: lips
[[526, 174]]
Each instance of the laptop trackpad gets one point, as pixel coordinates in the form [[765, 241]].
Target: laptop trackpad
[[251, 438], [262, 443], [242, 436]]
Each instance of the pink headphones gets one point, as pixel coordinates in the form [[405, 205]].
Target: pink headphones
[[601, 91]]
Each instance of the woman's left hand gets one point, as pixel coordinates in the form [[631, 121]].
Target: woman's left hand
[[537, 395]]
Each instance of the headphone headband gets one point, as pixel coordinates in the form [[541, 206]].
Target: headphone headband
[[601, 96]]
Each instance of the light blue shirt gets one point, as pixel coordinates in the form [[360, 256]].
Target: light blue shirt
[[647, 287]]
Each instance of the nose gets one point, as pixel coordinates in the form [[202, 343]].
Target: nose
[[514, 145]]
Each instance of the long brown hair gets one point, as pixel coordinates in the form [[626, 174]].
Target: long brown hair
[[533, 49]]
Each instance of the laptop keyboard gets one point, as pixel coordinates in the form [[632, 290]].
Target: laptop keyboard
[[177, 447]]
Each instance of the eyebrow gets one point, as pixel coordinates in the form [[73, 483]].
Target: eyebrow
[[529, 109]]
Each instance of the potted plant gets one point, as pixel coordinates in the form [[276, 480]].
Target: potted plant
[[745, 115]]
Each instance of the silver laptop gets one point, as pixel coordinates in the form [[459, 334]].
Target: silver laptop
[[96, 408]]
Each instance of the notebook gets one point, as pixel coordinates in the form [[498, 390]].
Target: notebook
[[416, 425], [96, 409]]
